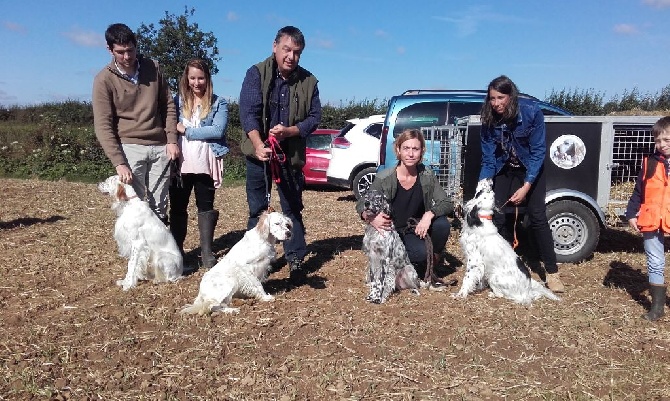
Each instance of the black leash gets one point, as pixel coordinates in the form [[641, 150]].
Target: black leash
[[430, 277]]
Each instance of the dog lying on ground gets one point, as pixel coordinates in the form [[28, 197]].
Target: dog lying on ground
[[389, 269], [142, 238], [490, 259], [241, 272]]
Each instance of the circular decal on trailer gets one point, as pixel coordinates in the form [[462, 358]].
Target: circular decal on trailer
[[567, 151]]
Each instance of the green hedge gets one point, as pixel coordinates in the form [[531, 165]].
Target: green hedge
[[56, 141]]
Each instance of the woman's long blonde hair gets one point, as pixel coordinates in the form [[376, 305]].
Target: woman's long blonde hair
[[187, 94]]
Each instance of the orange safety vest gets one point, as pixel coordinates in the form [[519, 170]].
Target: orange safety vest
[[655, 209]]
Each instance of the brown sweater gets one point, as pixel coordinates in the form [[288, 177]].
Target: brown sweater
[[123, 112]]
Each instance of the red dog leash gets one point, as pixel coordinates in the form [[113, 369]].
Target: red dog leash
[[277, 158]]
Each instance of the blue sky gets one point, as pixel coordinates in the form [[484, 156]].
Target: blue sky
[[360, 49]]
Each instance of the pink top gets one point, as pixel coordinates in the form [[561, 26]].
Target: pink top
[[196, 156]]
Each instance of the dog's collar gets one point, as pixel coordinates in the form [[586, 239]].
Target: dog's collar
[[486, 216]]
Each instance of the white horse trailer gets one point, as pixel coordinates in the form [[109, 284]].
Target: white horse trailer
[[591, 166]]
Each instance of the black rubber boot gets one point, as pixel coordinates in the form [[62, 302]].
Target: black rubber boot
[[178, 225], [658, 295], [206, 223]]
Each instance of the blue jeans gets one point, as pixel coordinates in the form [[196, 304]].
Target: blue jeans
[[654, 250], [290, 187]]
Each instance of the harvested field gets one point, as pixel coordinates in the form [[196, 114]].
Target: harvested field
[[68, 332]]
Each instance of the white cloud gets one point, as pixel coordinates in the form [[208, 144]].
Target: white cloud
[[381, 34], [322, 43], [85, 38], [467, 23], [657, 3], [232, 16], [626, 29], [14, 27], [6, 98]]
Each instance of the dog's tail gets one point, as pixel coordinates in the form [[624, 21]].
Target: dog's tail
[[198, 307], [538, 290]]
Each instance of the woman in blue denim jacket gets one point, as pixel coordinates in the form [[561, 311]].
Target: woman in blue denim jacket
[[513, 150], [202, 119]]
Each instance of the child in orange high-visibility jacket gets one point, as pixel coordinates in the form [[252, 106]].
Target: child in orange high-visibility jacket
[[648, 212]]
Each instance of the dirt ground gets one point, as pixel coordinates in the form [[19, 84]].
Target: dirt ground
[[68, 332]]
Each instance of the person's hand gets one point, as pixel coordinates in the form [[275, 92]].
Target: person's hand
[[279, 132], [423, 226], [262, 153], [180, 128], [632, 222], [124, 173], [381, 222], [520, 194], [172, 149]]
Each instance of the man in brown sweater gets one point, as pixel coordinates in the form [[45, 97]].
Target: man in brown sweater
[[135, 119]]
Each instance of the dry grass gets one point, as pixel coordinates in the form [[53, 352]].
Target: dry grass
[[69, 333]]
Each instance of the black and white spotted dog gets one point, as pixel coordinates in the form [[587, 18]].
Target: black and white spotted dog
[[390, 268], [490, 259]]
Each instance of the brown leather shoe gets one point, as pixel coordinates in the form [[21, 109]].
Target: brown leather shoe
[[554, 283]]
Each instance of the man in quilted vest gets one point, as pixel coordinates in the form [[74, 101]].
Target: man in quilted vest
[[280, 100]]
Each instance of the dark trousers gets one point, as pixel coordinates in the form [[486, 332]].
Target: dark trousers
[[201, 184], [416, 247], [505, 184], [290, 187]]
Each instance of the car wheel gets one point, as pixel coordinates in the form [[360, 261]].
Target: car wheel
[[575, 230], [362, 181]]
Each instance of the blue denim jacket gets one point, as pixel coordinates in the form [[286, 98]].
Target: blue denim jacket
[[212, 128], [527, 138]]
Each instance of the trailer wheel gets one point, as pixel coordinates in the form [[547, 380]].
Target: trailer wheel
[[362, 181], [575, 230]]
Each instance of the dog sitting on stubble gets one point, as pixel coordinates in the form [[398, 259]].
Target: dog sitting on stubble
[[242, 271], [141, 237], [389, 267], [490, 259]]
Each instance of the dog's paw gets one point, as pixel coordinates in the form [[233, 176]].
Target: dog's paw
[[267, 298], [125, 286], [460, 295], [222, 309]]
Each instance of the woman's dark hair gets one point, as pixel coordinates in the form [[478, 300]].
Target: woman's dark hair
[[119, 34], [505, 86]]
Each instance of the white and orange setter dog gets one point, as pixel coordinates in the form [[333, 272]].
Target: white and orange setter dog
[[142, 238], [490, 259], [240, 274]]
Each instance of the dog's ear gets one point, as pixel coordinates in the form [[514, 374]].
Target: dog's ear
[[472, 219], [263, 225], [121, 192]]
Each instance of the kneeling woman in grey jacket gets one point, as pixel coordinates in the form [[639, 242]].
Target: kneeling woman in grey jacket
[[413, 192]]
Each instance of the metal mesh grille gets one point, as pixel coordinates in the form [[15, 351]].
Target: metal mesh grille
[[444, 155], [631, 145]]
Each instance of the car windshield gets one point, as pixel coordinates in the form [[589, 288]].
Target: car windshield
[[319, 142]]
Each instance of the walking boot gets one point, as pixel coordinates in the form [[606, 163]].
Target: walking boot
[[178, 225], [206, 224], [658, 295], [554, 283]]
